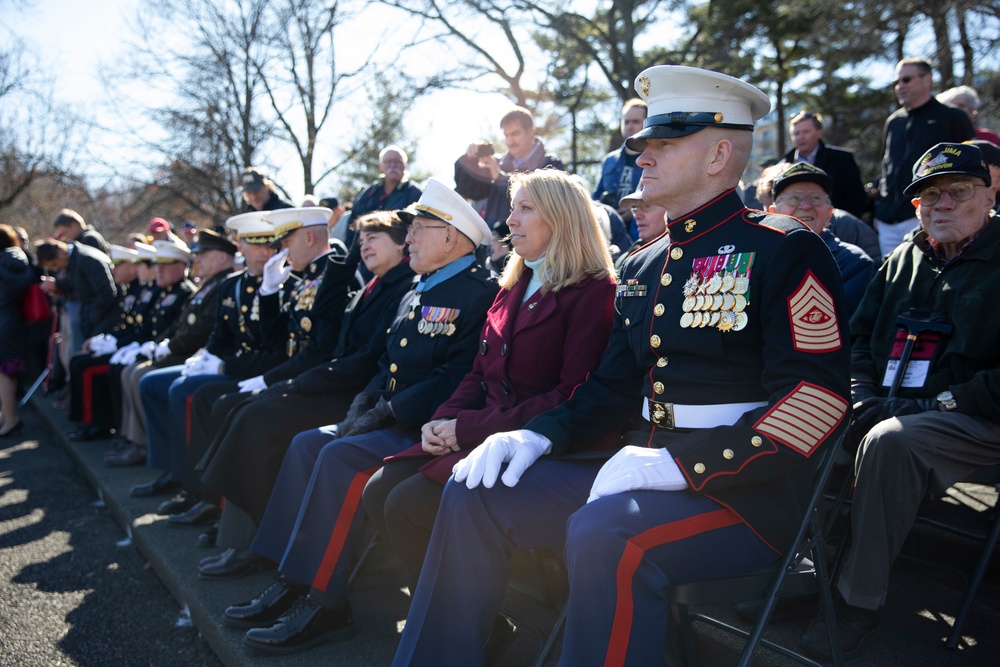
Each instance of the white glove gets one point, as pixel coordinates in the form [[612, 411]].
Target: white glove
[[252, 384], [102, 344], [126, 355], [147, 349], [635, 468], [275, 273], [202, 362], [162, 349], [521, 448]]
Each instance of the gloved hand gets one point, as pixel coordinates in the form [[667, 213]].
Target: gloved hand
[[379, 416], [202, 363], [871, 411], [634, 468], [359, 406], [522, 448], [861, 391], [162, 350], [255, 383], [275, 273], [147, 349], [126, 355], [102, 344]]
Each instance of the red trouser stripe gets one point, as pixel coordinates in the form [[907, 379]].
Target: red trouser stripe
[[88, 390], [187, 419], [635, 549], [340, 529]]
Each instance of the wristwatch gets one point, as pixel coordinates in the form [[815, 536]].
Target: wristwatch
[[947, 401]]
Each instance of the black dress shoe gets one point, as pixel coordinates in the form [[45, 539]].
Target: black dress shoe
[[199, 514], [130, 456], [182, 502], [88, 433], [160, 486], [854, 625], [207, 539], [267, 607], [305, 625], [232, 564]]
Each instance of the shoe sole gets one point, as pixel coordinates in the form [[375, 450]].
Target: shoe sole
[[338, 635], [250, 569]]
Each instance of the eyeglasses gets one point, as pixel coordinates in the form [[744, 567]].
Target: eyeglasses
[[416, 228], [796, 200], [907, 79], [963, 191]]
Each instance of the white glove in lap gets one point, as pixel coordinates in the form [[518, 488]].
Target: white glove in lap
[[252, 384], [125, 355], [522, 448], [162, 350], [638, 468]]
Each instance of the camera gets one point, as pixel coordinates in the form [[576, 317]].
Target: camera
[[484, 149]]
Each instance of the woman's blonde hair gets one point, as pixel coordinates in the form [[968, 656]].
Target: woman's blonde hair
[[577, 249]]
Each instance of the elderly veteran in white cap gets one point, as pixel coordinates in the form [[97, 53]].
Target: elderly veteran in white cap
[[728, 341], [430, 346]]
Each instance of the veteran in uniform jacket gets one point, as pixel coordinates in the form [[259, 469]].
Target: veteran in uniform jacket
[[310, 293], [943, 423], [430, 347], [728, 342]]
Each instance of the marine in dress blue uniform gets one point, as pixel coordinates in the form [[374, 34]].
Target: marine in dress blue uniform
[[313, 523], [728, 341]]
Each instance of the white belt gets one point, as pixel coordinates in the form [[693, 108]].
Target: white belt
[[705, 416]]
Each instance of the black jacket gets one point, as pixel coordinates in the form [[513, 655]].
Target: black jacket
[[848, 190], [88, 280]]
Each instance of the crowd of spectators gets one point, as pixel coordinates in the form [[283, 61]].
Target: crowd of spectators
[[648, 361]]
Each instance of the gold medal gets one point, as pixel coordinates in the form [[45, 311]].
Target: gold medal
[[688, 304], [741, 303], [705, 317], [691, 285], [717, 300], [716, 316], [686, 320], [728, 301], [741, 321], [726, 321], [697, 321], [728, 282], [422, 326], [699, 302], [742, 285], [451, 329], [714, 284]]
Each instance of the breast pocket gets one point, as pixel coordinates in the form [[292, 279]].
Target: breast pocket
[[632, 313]]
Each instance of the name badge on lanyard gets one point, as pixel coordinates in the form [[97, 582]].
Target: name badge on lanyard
[[919, 366]]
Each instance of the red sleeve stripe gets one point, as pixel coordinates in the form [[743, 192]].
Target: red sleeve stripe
[[804, 418]]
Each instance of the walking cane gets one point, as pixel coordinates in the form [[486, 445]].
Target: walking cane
[[50, 357]]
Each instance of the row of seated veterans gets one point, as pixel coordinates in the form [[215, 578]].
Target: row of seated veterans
[[656, 431]]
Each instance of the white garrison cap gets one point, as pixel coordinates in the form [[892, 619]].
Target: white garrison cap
[[120, 253], [440, 202], [145, 252], [684, 100], [251, 227], [287, 220], [171, 251]]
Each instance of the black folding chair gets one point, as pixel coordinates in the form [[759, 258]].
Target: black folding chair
[[801, 571]]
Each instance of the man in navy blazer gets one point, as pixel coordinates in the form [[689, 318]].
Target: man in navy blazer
[[848, 194]]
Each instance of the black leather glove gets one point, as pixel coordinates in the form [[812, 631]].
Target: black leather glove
[[359, 406], [380, 416], [861, 391], [874, 409], [283, 388]]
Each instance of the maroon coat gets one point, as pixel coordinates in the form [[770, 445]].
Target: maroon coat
[[531, 357]]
